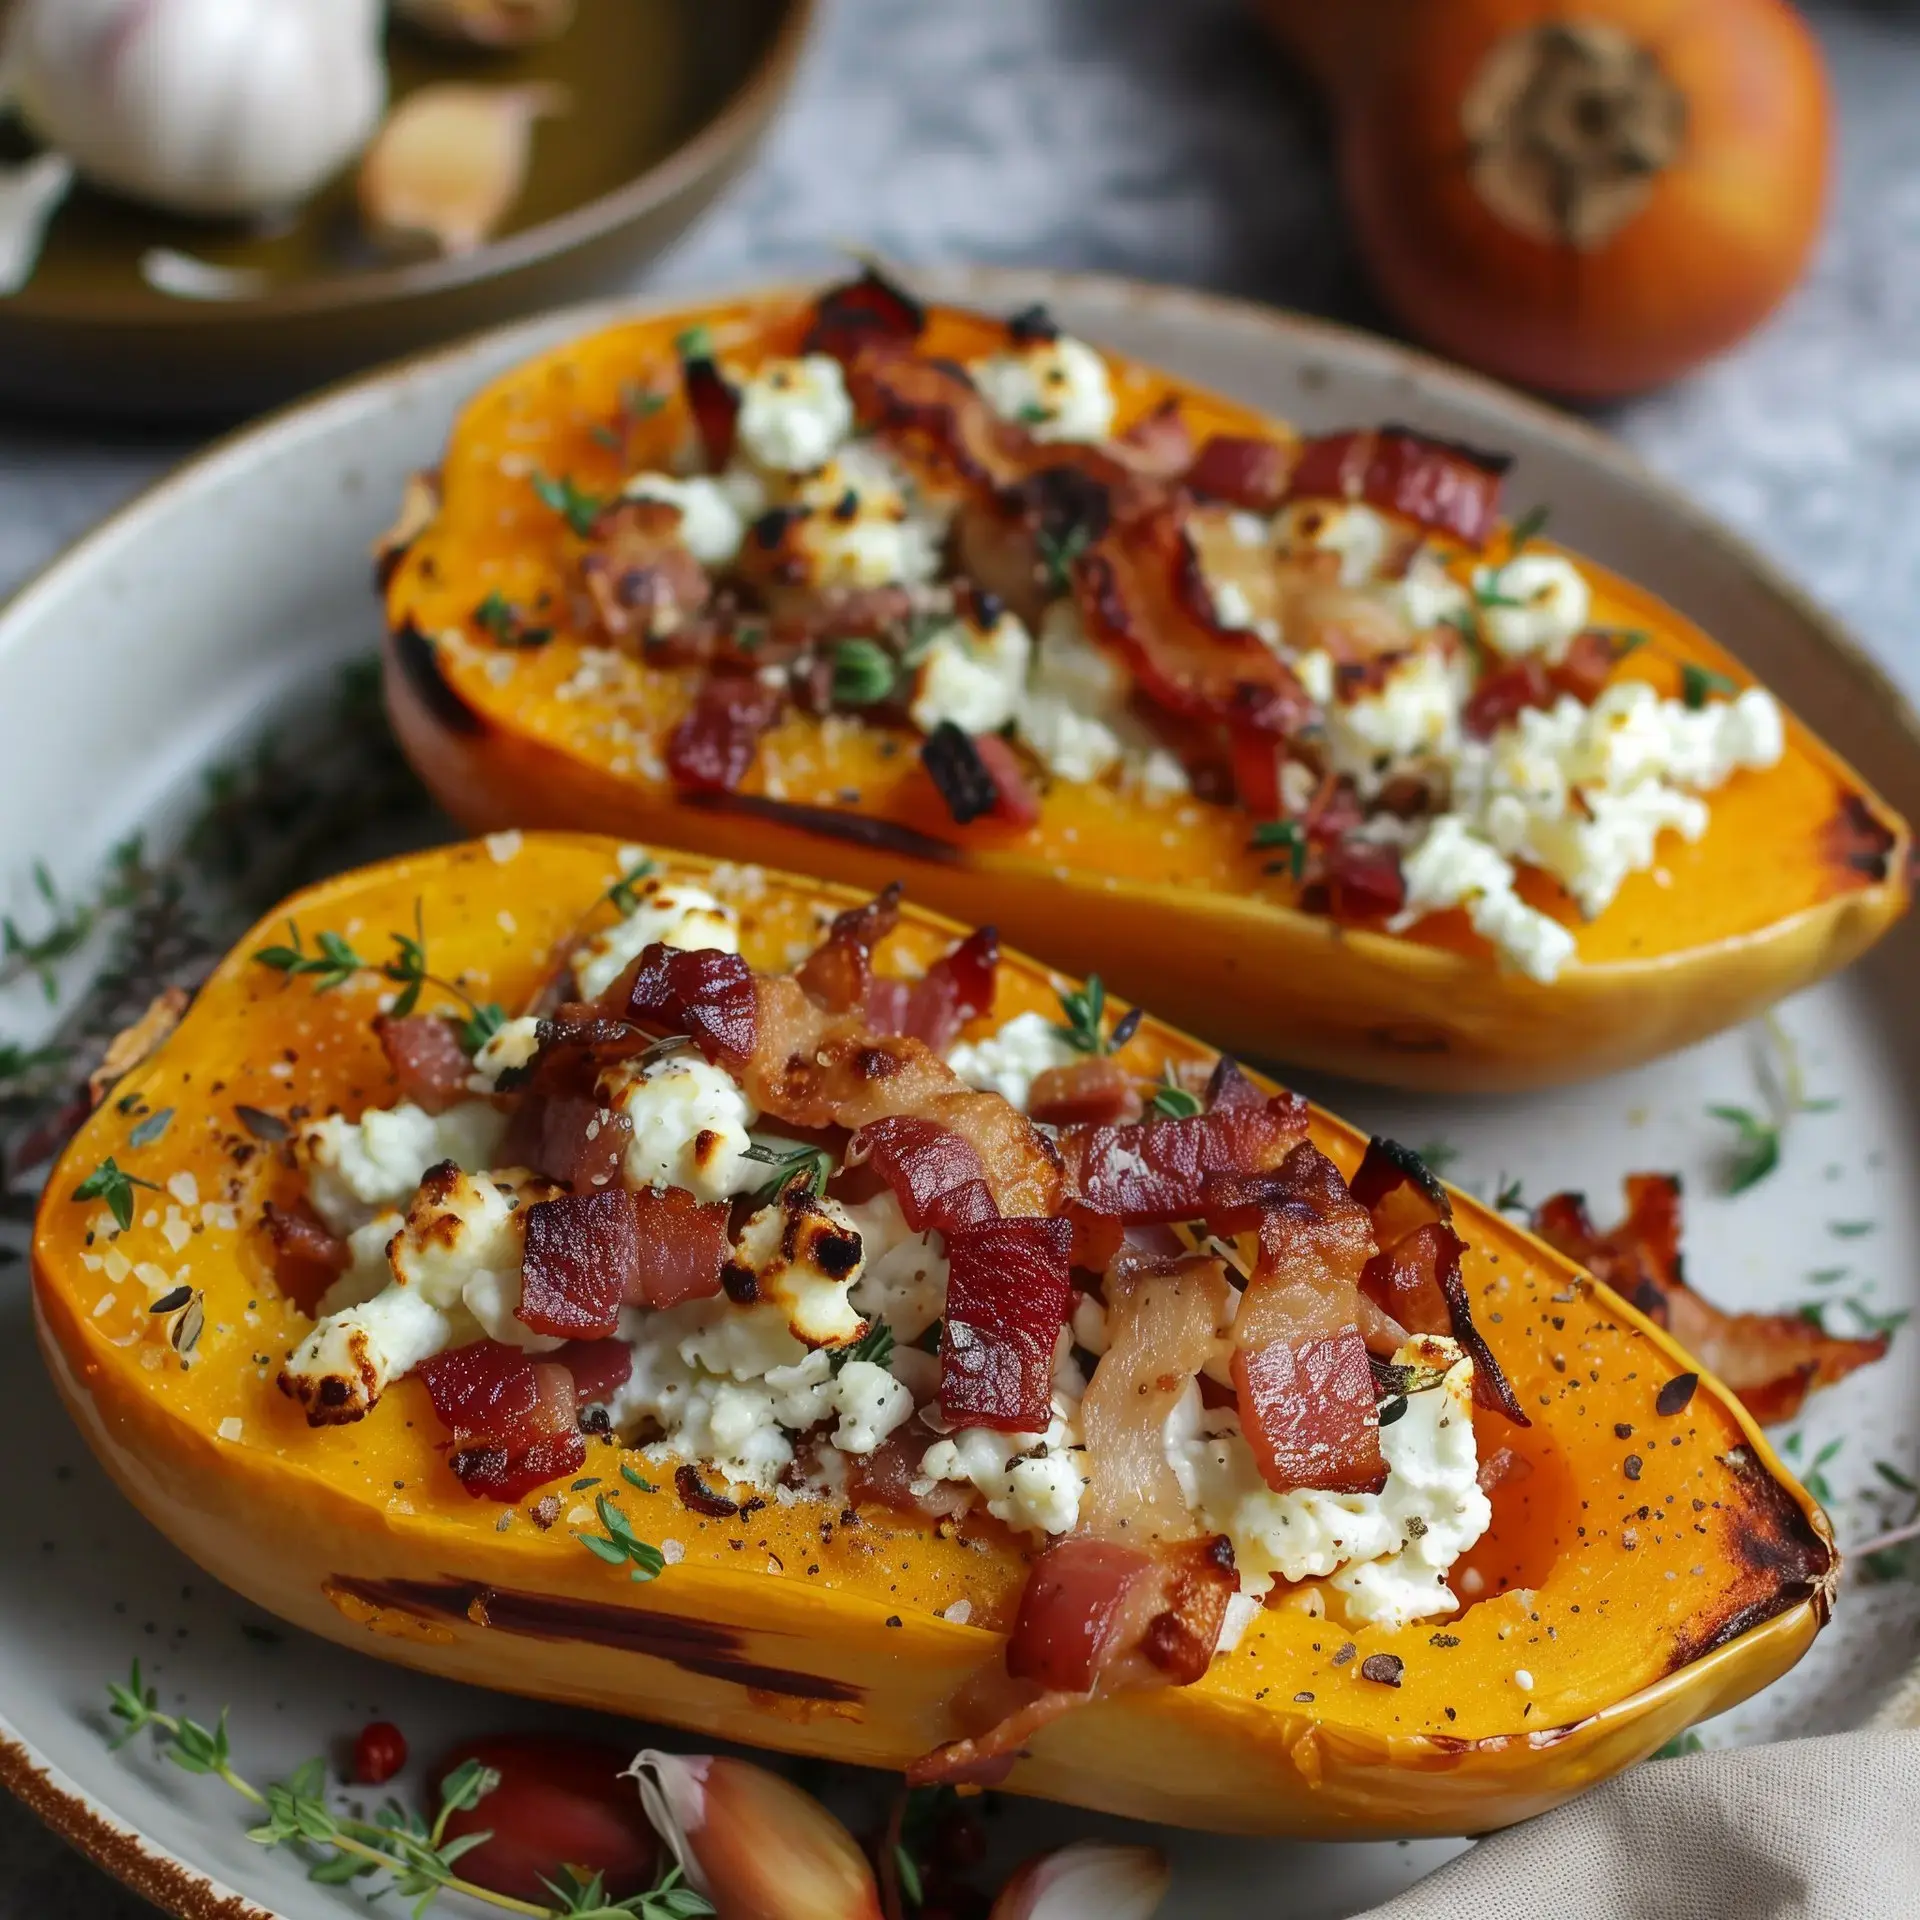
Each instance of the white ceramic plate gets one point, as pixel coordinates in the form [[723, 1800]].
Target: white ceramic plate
[[238, 590]]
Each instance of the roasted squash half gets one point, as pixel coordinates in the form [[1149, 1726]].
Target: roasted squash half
[[1650, 1561], [518, 710]]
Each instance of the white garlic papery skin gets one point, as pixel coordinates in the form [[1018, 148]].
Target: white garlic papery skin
[[216, 107]]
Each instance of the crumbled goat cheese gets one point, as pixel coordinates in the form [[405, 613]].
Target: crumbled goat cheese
[[511, 1047], [1533, 603], [1032, 1481], [1426, 595], [1009, 1061], [690, 1121], [794, 414], [711, 525], [1057, 389], [674, 915], [1356, 533], [970, 678], [802, 1255], [871, 1403], [1415, 716], [1073, 713], [1453, 867], [864, 527], [356, 1167], [1389, 1552], [903, 1279]]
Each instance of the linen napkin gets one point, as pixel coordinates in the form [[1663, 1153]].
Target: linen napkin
[[1825, 1829]]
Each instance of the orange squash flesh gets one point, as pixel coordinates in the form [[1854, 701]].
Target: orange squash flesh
[[1617, 1602], [570, 735]]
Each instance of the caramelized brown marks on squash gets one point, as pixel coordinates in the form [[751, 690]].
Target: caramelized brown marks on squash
[[418, 665], [1774, 1559], [1857, 843], [857, 829], [695, 1646]]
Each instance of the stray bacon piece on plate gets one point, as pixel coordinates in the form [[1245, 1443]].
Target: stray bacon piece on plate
[[1771, 1360]]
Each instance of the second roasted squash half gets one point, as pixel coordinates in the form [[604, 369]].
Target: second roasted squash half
[[806, 1325], [860, 587]]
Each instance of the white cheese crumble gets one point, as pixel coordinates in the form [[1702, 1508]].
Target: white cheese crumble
[[1533, 603], [804, 1256], [904, 1277], [356, 1167], [864, 526], [1057, 389], [1357, 534], [1389, 1552], [970, 678], [1453, 867], [1415, 716], [794, 414], [690, 1121], [674, 915], [1031, 1481], [511, 1047], [1009, 1061], [711, 524]]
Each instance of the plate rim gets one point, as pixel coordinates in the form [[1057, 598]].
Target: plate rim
[[726, 132], [156, 1873]]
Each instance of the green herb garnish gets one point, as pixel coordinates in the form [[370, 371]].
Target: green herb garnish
[[811, 1167], [1058, 551], [1699, 684], [876, 1345], [497, 616], [863, 673], [73, 922], [576, 507], [1085, 1029], [1758, 1137], [1171, 1101], [1290, 838], [620, 1544], [115, 1186]]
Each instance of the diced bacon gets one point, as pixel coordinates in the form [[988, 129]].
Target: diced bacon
[[836, 973], [640, 581], [1399, 1190], [307, 1257], [1588, 664], [932, 412], [957, 988], [1141, 593], [569, 1137], [714, 746], [507, 1474], [680, 1248], [934, 1174], [427, 1059], [1227, 1086], [1500, 697], [1164, 1316], [1156, 1170], [887, 1477], [862, 312], [715, 406], [1255, 758], [1095, 1620], [708, 995], [1095, 1092], [1007, 1299], [600, 1368], [1015, 802], [580, 1255], [1300, 1366], [1439, 484], [1771, 1360], [1360, 881], [1243, 471], [1159, 443]]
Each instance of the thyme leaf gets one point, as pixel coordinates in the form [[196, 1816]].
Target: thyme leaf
[[620, 1545], [114, 1185], [811, 1166], [1290, 838], [1698, 684], [876, 1345], [578, 508], [1085, 1028]]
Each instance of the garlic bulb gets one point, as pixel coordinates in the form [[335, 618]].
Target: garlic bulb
[[216, 107], [489, 23]]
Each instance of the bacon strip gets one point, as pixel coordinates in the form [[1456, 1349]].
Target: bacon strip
[[1771, 1360], [1441, 484], [640, 580], [863, 312], [1243, 471], [427, 1059], [838, 972], [1007, 1299], [587, 1255], [936, 1176], [1155, 1171], [957, 988], [307, 1256], [1096, 1092], [715, 407]]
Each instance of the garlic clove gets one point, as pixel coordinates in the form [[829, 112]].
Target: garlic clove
[[489, 23], [1087, 1881], [30, 196], [452, 159], [752, 1842], [187, 277]]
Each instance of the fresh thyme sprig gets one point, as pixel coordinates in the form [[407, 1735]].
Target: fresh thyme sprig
[[114, 1185], [876, 1345], [622, 895], [1289, 839], [809, 1166], [331, 962], [1058, 551], [1699, 684], [1085, 1028], [126, 881], [578, 508], [1172, 1101], [1758, 1137], [620, 1545], [416, 1855]]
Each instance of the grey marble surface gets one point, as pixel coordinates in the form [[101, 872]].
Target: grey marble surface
[[1162, 138]]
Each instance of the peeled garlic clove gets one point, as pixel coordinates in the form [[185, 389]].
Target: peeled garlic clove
[[452, 159], [187, 277], [753, 1843], [489, 23], [30, 196], [1087, 1881]]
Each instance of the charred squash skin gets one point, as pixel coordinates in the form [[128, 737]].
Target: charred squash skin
[[1776, 894], [1642, 1578]]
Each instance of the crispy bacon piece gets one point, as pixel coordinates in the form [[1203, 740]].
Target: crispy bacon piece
[[979, 777], [1441, 484], [1357, 880], [1300, 1366], [1243, 471], [588, 1255], [570, 1137], [708, 995], [936, 416], [1588, 664], [1007, 1299], [1771, 1360], [1015, 803], [958, 987], [713, 747], [307, 1256], [1159, 443], [1227, 1086], [934, 1174], [1399, 1190], [715, 406], [639, 579], [887, 1476], [1164, 1315], [838, 972], [427, 1059], [861, 312], [1140, 592], [515, 1417], [1098, 1619], [1155, 1171], [1095, 1092]]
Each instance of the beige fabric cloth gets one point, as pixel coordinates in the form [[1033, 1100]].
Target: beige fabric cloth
[[1824, 1829]]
